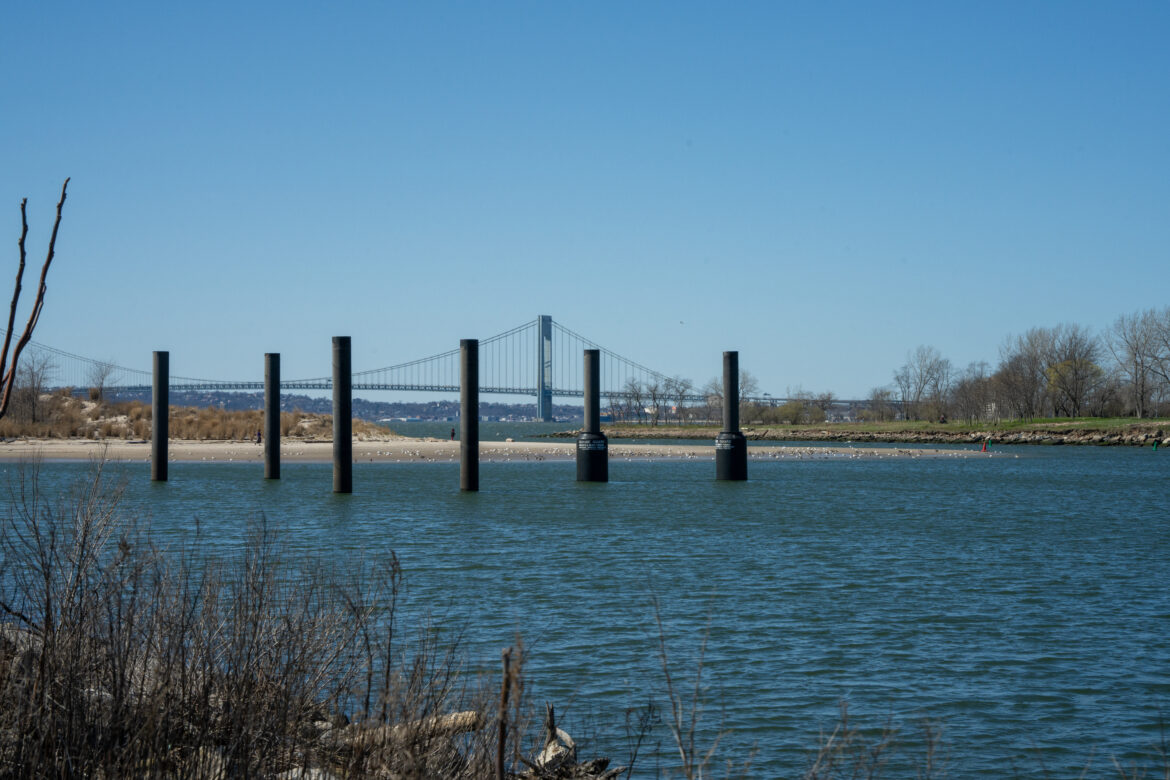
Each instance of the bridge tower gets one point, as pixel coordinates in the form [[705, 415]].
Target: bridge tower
[[544, 365]]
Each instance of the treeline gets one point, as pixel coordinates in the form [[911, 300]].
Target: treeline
[[658, 401], [672, 401], [1061, 371]]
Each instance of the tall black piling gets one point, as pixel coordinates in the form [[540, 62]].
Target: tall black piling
[[730, 445], [342, 416], [272, 415], [592, 445], [160, 416], [469, 414]]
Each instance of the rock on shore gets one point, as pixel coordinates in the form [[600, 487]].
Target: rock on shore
[[1133, 436]]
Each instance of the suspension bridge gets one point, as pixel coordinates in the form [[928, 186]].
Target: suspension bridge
[[540, 358]]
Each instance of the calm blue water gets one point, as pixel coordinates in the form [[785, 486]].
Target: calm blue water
[[1020, 603]]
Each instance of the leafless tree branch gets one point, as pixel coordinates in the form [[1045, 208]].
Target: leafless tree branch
[[7, 367]]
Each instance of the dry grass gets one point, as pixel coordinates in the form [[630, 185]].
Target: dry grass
[[118, 659], [63, 416]]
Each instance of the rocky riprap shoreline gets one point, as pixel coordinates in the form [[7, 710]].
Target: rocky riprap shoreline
[[1063, 437], [1131, 436]]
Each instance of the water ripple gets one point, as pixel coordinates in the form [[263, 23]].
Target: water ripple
[[1021, 603]]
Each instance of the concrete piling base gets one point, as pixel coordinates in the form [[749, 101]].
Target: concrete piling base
[[272, 415], [342, 416], [730, 444], [469, 414], [160, 416], [592, 444]]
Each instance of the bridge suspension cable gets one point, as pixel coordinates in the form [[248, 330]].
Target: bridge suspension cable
[[617, 372], [539, 358]]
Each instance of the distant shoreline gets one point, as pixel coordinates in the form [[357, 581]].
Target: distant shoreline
[[1109, 433]]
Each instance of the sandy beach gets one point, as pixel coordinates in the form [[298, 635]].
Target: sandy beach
[[427, 450]]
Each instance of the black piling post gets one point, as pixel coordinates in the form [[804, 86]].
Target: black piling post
[[592, 445], [160, 416], [469, 414], [730, 445], [272, 415], [342, 416]]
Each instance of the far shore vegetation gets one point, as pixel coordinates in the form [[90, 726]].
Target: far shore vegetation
[[1065, 371], [61, 415], [1119, 428]]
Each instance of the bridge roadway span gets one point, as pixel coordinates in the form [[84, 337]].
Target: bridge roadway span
[[517, 362], [326, 384]]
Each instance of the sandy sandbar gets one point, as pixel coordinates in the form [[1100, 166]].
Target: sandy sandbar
[[433, 450]]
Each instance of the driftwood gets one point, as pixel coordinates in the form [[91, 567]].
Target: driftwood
[[558, 759], [411, 732], [337, 749]]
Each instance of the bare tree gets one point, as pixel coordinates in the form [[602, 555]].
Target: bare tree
[[939, 389], [635, 395], [9, 363], [33, 377], [825, 401], [748, 386], [1133, 343], [713, 392], [679, 388], [924, 377], [1141, 345], [905, 384], [656, 395], [881, 405], [971, 393], [1073, 373], [1021, 379], [99, 375], [1160, 348]]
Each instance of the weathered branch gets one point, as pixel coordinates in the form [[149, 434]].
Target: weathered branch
[[8, 370], [503, 727], [16, 286], [415, 731]]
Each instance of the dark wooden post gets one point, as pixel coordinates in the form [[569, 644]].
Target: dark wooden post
[[592, 445], [272, 415], [730, 445], [469, 414], [160, 416], [342, 416]]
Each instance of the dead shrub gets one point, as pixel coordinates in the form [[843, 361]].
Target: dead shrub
[[118, 659]]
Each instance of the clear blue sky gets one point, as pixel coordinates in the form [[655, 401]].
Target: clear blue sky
[[822, 186]]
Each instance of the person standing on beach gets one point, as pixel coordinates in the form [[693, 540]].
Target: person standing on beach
[[452, 434], [258, 437]]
